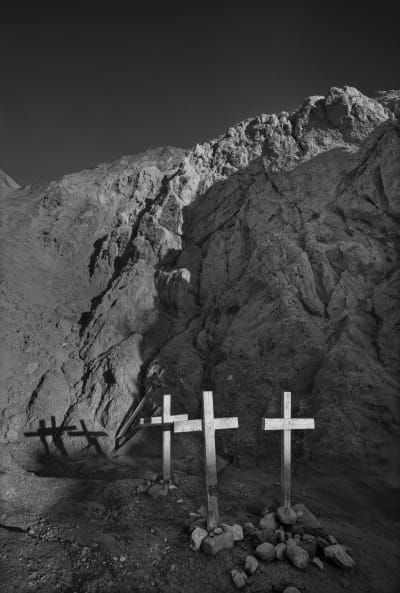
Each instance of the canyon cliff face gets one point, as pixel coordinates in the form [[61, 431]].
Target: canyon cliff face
[[262, 261]]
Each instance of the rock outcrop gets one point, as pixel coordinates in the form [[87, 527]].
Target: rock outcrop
[[7, 184], [264, 260]]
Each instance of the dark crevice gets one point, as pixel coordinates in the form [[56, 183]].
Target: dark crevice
[[95, 254], [35, 394], [128, 255]]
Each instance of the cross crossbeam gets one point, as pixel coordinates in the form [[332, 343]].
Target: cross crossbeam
[[166, 421], [208, 425], [287, 424]]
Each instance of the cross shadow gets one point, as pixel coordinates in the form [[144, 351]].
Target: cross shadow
[[91, 437], [54, 431]]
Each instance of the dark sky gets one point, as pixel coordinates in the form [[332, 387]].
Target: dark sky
[[86, 82]]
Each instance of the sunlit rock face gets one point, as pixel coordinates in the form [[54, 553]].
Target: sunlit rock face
[[262, 261]]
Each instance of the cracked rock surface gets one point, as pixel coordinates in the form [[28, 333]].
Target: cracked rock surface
[[262, 261]]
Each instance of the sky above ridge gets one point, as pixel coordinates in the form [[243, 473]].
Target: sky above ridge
[[86, 82]]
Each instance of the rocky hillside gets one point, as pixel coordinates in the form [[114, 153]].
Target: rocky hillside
[[264, 260]]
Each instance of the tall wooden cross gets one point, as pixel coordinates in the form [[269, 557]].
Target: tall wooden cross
[[286, 424], [166, 421], [208, 424]]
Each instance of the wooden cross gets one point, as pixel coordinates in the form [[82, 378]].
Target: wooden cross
[[91, 437], [166, 420], [286, 424], [208, 424]]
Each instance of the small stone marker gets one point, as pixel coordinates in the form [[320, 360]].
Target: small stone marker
[[208, 424], [287, 424], [166, 421]]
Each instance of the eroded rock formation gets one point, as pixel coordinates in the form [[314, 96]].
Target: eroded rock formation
[[264, 260]]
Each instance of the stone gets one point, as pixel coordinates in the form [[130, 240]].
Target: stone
[[297, 556], [332, 540], [197, 537], [142, 488], [322, 543], [249, 528], [269, 521], [265, 552], [318, 563], [280, 551], [213, 545], [250, 564], [287, 516], [338, 555], [309, 546], [309, 538], [269, 535], [236, 530], [280, 535], [291, 590], [157, 490], [239, 578], [307, 520], [218, 530]]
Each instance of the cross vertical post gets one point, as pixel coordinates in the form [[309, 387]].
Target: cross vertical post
[[208, 425], [286, 451], [166, 421], [210, 460], [166, 414]]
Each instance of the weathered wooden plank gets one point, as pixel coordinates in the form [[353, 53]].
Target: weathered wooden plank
[[188, 426], [153, 421], [221, 423], [286, 451], [288, 423], [210, 460]]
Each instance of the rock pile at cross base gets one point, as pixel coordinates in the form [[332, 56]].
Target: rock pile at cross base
[[264, 260]]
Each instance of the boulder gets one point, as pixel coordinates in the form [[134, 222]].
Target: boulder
[[338, 555], [265, 552], [297, 556], [250, 564], [213, 545], [239, 578], [286, 515], [197, 537]]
